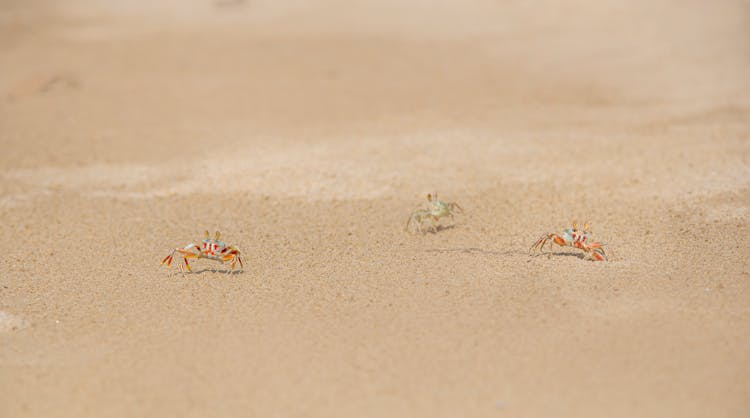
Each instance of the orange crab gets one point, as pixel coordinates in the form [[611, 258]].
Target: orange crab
[[573, 237], [211, 249]]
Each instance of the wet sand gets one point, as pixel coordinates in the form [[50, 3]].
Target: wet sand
[[306, 133]]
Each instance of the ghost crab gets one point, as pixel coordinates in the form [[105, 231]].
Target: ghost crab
[[573, 237], [211, 249], [435, 210]]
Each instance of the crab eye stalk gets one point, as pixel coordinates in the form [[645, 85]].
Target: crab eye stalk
[[218, 234]]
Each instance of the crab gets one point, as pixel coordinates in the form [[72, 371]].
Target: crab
[[435, 210], [211, 249], [573, 237]]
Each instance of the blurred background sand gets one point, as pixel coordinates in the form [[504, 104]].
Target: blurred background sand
[[306, 132]]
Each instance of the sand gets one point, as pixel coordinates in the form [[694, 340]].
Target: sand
[[306, 132]]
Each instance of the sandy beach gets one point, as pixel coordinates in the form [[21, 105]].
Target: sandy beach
[[307, 132]]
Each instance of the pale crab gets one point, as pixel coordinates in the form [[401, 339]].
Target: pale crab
[[211, 249], [435, 210], [573, 237]]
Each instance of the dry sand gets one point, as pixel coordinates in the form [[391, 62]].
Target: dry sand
[[307, 132]]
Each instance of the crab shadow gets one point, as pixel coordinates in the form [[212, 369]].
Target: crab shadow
[[438, 228], [473, 250], [223, 272], [581, 256]]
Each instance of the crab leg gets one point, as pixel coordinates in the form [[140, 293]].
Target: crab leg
[[233, 254], [416, 216], [411, 218], [168, 260], [546, 237], [228, 257], [598, 249], [598, 253], [598, 256], [455, 205], [185, 252], [434, 220], [539, 243], [234, 261]]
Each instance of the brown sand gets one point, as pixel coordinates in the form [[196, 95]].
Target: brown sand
[[306, 133]]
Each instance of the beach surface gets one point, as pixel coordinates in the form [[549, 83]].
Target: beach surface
[[307, 132]]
